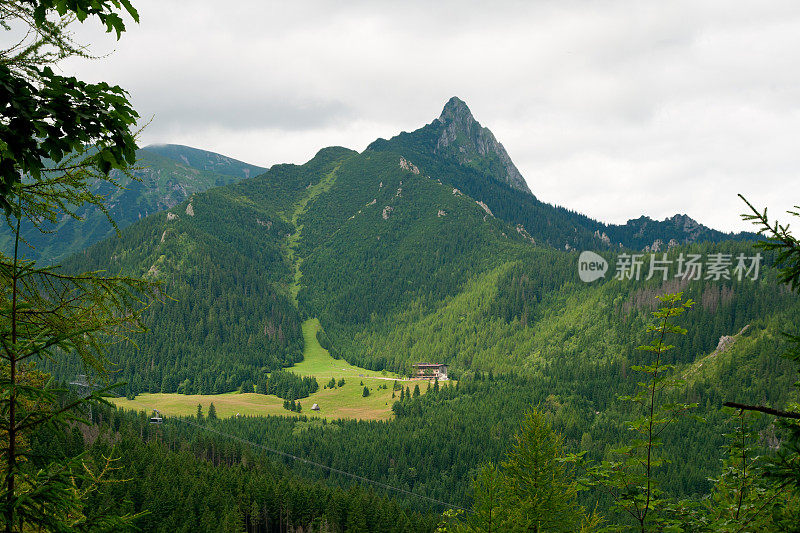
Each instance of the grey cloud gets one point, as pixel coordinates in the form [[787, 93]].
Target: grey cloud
[[613, 108], [221, 109]]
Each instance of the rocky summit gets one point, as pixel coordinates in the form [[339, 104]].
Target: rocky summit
[[474, 145]]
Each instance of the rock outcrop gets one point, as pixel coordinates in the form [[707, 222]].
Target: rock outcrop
[[474, 145]]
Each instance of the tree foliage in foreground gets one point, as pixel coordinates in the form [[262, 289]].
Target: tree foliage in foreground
[[58, 137], [47, 121], [786, 464]]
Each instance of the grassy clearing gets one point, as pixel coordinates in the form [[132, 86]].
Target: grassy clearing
[[339, 402], [318, 362], [226, 404]]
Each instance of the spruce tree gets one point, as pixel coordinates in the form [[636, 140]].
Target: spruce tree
[[532, 490], [356, 517], [631, 477], [212, 412], [540, 493]]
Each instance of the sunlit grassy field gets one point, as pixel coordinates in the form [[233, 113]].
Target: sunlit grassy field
[[318, 362], [339, 402]]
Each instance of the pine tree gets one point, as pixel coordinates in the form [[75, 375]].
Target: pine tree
[[199, 412], [532, 490], [416, 391], [365, 392], [397, 408], [212, 412]]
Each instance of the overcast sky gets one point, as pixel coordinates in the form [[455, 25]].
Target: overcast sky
[[614, 109]]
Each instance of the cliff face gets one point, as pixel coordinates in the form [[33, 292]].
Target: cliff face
[[473, 145]]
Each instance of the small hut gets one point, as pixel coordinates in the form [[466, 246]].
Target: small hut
[[315, 407], [156, 418]]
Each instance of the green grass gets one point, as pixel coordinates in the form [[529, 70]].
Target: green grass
[[318, 362], [339, 402], [226, 404]]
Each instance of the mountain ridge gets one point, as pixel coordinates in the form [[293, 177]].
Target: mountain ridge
[[165, 176], [205, 160], [453, 148], [484, 178]]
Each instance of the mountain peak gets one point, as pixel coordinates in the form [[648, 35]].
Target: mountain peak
[[456, 110], [683, 220], [473, 145]]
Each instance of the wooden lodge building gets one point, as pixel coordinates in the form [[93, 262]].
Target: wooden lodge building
[[430, 371]]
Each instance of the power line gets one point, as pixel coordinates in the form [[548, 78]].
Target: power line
[[304, 460]]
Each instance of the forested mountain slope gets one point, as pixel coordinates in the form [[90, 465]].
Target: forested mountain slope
[[220, 257], [400, 263], [167, 174], [231, 256], [406, 254]]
